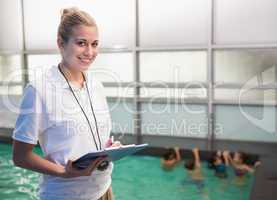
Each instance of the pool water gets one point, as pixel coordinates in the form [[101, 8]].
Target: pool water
[[134, 178]]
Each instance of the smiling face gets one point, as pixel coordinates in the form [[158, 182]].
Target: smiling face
[[81, 49]]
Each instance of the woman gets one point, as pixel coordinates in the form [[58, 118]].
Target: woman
[[219, 162], [194, 170], [171, 158], [239, 164], [66, 112]]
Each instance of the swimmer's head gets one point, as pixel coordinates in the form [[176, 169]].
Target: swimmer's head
[[218, 160], [240, 157], [170, 154], [215, 159]]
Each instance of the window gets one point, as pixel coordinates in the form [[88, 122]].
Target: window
[[174, 67], [10, 69], [122, 117], [11, 25], [183, 120], [173, 22], [245, 22], [116, 21], [38, 63], [113, 67], [253, 123]]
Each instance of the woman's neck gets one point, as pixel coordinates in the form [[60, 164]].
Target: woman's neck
[[73, 76]]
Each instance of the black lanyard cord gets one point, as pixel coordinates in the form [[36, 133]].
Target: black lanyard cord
[[94, 117]]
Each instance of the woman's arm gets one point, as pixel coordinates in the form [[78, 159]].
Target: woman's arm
[[231, 161], [24, 157], [195, 152], [178, 155], [226, 156], [249, 169]]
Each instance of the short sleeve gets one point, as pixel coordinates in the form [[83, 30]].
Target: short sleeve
[[29, 122]]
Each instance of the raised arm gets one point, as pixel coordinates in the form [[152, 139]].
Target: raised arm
[[178, 155], [231, 161], [249, 169], [226, 156], [195, 152]]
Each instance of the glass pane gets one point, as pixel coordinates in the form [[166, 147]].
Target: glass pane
[[122, 117], [114, 67], [116, 21], [247, 21], [10, 68], [173, 22], [247, 95], [173, 67], [252, 67], [174, 120], [173, 93], [38, 63], [11, 90], [109, 18], [9, 107], [11, 25], [119, 92], [252, 123]]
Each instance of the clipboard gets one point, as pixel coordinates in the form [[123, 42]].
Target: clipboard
[[112, 154]]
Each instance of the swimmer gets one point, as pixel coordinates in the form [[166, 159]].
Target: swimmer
[[193, 167], [239, 164], [219, 162], [171, 158]]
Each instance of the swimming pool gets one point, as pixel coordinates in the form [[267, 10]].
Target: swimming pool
[[134, 178]]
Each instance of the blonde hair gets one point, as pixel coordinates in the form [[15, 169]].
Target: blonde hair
[[71, 17]]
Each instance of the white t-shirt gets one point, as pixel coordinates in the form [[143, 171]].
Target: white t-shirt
[[50, 114]]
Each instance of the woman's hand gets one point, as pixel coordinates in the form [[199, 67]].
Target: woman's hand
[[116, 144], [257, 164], [226, 157], [226, 153], [71, 172], [112, 143]]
